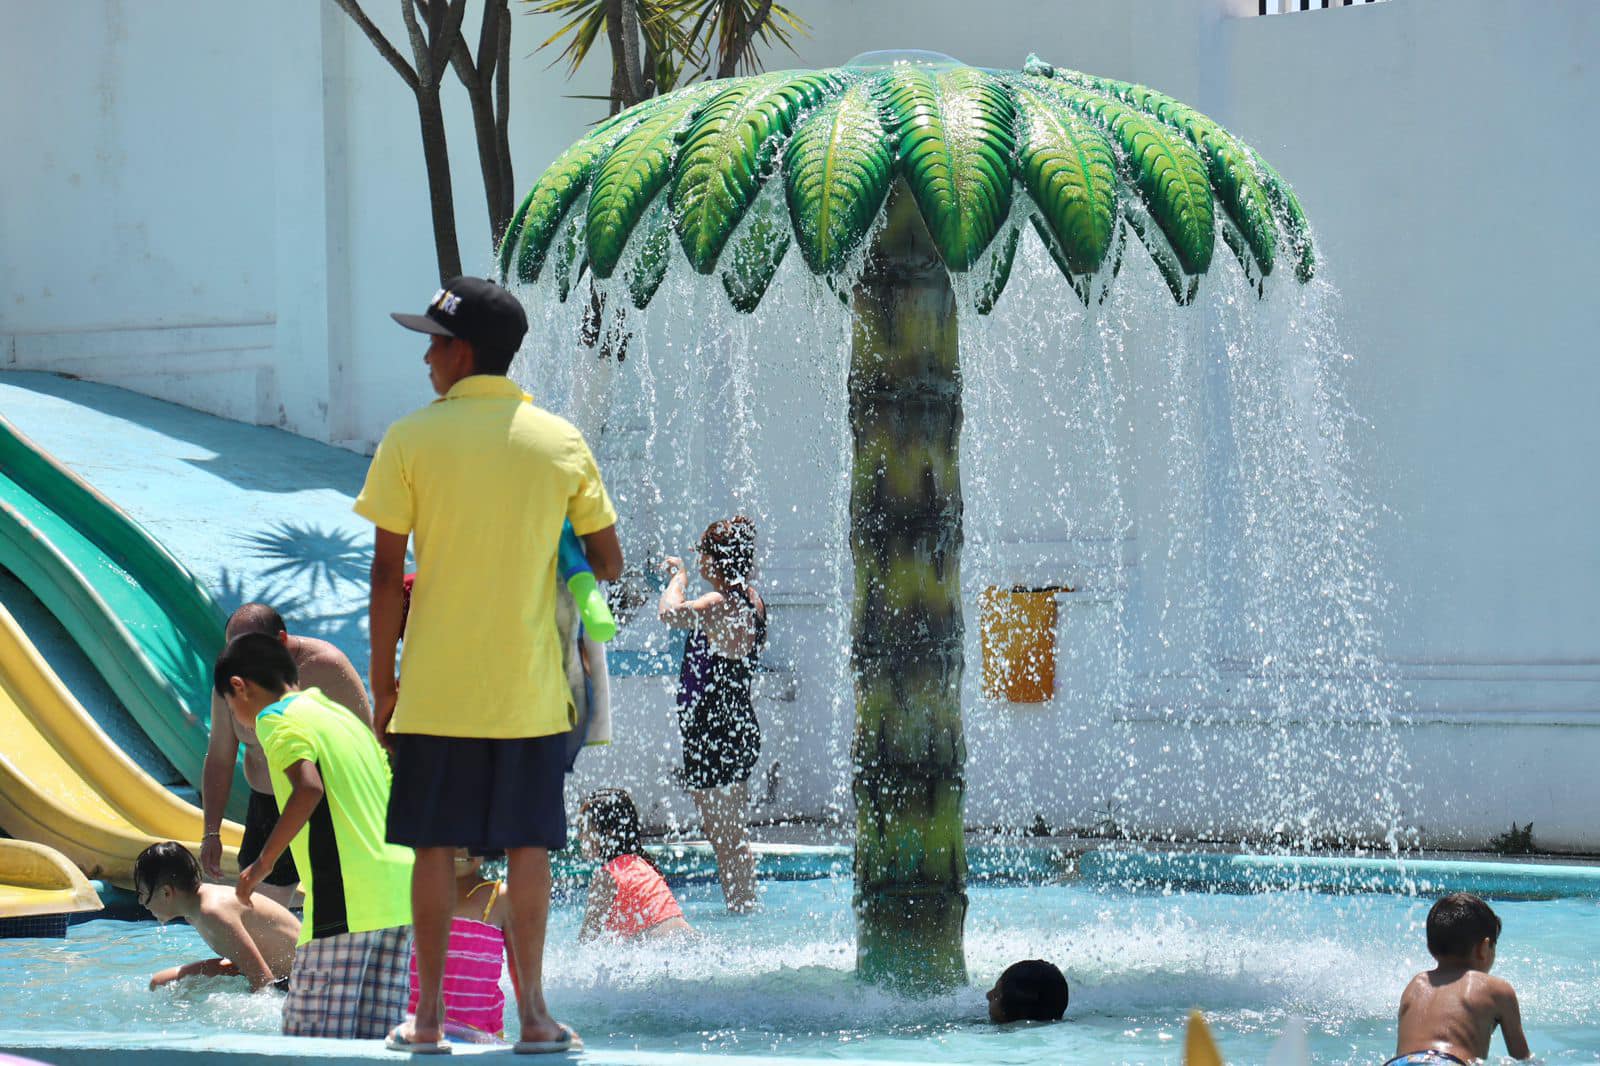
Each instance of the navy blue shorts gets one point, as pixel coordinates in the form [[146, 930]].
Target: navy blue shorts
[[471, 792], [260, 819]]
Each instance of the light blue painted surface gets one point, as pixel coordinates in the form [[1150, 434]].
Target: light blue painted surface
[[255, 513]]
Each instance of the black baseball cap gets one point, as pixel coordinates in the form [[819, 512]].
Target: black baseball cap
[[474, 310]]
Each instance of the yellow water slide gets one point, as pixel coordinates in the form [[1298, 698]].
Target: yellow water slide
[[36, 881], [65, 784]]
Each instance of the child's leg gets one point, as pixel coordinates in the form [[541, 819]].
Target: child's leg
[[433, 901], [528, 895], [722, 816]]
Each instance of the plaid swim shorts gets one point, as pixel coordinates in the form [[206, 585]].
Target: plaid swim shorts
[[350, 987]]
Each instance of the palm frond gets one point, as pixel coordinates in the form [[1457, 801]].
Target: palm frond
[[837, 169], [1234, 178], [727, 155], [1163, 166], [535, 223], [1069, 171], [719, 27], [756, 254], [955, 145], [635, 170]]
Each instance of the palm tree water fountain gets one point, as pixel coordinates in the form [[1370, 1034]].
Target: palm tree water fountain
[[899, 178]]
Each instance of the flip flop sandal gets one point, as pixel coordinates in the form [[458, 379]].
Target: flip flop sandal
[[398, 1041], [568, 1041]]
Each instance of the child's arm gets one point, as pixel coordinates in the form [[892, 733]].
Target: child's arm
[[674, 609], [306, 784], [1511, 1022], [202, 968], [227, 936], [602, 894]]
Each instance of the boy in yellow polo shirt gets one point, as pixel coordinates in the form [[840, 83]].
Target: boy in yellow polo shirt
[[483, 480]]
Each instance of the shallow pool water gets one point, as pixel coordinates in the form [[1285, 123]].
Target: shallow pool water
[[779, 983]]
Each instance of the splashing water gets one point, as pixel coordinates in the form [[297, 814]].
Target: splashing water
[[781, 984], [1185, 471]]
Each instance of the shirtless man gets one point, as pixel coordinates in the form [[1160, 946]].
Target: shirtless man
[[322, 666], [1449, 1013], [255, 942]]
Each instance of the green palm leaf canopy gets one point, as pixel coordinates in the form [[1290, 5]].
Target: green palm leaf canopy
[[980, 151]]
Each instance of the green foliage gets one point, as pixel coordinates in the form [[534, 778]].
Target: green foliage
[[999, 271], [1162, 164], [726, 33], [756, 255], [1232, 173], [1290, 217], [712, 36], [660, 23], [1516, 841], [837, 169], [635, 170], [727, 154], [649, 267], [1095, 158], [954, 131], [1069, 170], [535, 223]]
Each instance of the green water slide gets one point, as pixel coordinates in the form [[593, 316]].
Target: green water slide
[[139, 615]]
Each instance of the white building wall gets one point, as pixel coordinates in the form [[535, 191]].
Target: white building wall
[[218, 204]]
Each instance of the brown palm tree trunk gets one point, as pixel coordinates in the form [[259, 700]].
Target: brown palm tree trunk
[[906, 654]]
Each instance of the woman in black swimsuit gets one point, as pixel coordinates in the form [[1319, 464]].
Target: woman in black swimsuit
[[721, 737]]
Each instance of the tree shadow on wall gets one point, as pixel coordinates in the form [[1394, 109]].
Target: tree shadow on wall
[[306, 554], [317, 579]]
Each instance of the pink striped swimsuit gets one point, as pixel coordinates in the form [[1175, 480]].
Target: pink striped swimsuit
[[473, 999]]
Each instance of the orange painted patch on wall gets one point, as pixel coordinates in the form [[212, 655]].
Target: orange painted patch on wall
[[1019, 642]]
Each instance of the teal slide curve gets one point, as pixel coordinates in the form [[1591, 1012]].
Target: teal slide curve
[[139, 615]]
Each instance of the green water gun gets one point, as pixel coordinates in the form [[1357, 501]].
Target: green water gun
[[579, 576]]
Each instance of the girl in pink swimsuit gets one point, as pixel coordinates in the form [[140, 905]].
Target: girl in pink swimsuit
[[474, 1004], [628, 896]]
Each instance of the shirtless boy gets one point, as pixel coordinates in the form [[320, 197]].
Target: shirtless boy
[[1448, 1013], [321, 665], [255, 942]]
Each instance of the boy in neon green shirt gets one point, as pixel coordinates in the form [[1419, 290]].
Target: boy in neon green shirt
[[331, 781]]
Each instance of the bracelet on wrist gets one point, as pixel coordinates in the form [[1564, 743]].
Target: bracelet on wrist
[[212, 833]]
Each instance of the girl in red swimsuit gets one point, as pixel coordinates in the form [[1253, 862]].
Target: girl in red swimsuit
[[628, 896]]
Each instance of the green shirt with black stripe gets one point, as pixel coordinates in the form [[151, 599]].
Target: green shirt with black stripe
[[354, 880]]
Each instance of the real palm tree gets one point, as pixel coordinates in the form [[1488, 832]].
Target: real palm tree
[[940, 149]]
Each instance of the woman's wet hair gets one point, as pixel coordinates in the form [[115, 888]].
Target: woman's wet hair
[[1458, 923], [731, 545], [1033, 990], [167, 863], [610, 816]]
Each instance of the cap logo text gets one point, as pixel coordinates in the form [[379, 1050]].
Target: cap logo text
[[446, 301]]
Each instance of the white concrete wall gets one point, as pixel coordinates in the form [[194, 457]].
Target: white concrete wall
[[218, 203], [1435, 145]]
